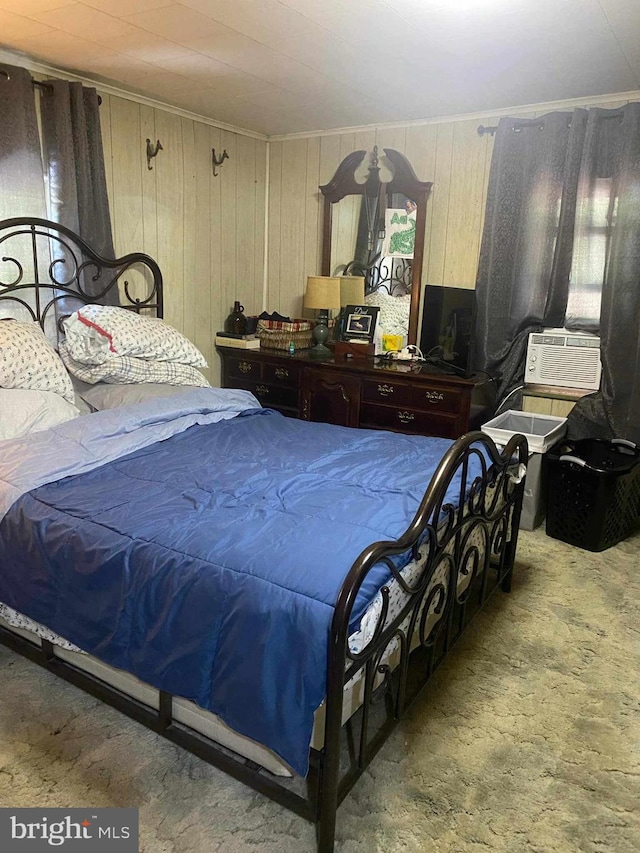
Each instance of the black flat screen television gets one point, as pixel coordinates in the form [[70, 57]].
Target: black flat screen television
[[448, 326]]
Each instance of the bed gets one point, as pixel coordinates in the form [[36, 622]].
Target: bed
[[167, 556]]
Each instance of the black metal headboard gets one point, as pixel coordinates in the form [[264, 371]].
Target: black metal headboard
[[44, 265]]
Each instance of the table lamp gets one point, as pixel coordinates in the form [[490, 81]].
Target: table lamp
[[323, 294], [351, 293]]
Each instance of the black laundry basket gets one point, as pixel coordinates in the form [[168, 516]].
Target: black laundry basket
[[593, 497]]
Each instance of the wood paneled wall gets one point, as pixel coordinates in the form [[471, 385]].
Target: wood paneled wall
[[206, 232], [451, 155], [547, 406]]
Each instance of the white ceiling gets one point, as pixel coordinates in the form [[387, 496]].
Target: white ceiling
[[286, 66]]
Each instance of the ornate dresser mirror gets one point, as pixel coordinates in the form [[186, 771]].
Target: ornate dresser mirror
[[376, 229]]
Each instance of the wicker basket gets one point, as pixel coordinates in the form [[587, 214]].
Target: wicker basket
[[278, 335]]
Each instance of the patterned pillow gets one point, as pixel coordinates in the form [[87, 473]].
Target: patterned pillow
[[28, 361], [394, 312], [96, 333], [126, 370]]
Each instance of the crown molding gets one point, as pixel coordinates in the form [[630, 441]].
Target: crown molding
[[108, 88], [11, 58], [587, 101]]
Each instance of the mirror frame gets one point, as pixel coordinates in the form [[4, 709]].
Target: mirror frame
[[404, 181]]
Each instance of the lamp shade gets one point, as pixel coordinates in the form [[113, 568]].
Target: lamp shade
[[323, 292], [351, 290]]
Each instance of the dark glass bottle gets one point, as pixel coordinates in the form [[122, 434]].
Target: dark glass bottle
[[236, 322]]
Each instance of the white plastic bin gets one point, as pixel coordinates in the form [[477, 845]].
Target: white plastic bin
[[541, 432]]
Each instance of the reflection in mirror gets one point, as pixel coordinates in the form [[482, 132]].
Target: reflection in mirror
[[375, 228]]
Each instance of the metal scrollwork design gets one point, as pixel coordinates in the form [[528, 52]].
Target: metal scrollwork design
[[448, 515], [18, 279], [380, 691], [472, 559], [134, 300], [52, 263], [499, 535], [391, 275], [437, 598], [456, 551], [477, 496], [54, 279]]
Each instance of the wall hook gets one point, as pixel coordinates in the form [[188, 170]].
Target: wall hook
[[218, 162], [152, 151]]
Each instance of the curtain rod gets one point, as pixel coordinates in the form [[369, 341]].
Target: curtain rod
[[517, 125], [535, 122], [40, 84]]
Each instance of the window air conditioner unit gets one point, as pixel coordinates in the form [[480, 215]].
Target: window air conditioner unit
[[564, 359]]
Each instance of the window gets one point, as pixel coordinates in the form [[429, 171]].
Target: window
[[595, 216]]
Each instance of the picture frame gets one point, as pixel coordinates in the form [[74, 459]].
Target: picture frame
[[360, 323]]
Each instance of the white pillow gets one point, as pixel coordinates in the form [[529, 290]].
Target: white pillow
[[104, 396], [124, 370], [28, 361], [23, 412], [96, 333]]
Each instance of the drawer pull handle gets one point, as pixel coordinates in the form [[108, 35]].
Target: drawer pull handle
[[385, 390], [406, 417], [245, 366], [434, 396], [262, 390], [281, 373]]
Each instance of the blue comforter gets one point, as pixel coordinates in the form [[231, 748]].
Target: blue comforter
[[208, 563]]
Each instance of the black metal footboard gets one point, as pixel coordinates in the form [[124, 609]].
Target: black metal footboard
[[461, 551], [465, 551]]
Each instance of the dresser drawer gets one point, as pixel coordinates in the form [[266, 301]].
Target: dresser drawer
[[285, 374], [243, 368], [356, 393], [381, 391], [271, 395], [437, 398], [408, 420]]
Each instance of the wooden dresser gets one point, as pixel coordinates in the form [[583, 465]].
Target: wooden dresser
[[371, 393]]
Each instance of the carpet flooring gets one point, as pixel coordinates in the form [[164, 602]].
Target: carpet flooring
[[527, 739]]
